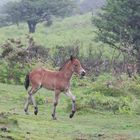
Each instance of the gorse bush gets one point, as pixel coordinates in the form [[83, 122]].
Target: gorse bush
[[12, 73], [19, 58], [18, 55]]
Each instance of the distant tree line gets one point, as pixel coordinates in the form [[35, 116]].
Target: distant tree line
[[35, 11]]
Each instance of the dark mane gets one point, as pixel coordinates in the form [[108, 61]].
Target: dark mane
[[64, 64]]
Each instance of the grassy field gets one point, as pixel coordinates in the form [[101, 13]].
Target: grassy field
[[84, 126], [88, 124]]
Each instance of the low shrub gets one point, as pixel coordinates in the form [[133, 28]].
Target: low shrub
[[122, 97], [13, 73], [98, 101]]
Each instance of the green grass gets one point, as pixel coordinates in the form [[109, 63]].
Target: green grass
[[63, 31], [90, 126], [86, 124]]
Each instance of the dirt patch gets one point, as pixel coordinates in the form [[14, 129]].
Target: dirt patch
[[82, 137], [5, 129], [4, 118], [122, 137], [6, 137]]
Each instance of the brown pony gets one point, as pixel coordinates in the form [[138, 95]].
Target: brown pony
[[58, 81]]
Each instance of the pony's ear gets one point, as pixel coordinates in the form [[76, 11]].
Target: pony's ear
[[71, 58]]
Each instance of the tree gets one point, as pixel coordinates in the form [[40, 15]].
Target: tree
[[118, 24], [36, 11], [12, 13]]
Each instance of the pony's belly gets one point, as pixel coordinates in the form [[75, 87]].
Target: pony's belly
[[49, 87], [53, 83], [48, 83], [56, 87], [62, 87]]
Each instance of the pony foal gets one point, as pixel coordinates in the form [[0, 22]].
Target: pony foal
[[58, 81]]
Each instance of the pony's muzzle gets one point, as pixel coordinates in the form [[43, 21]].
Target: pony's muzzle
[[83, 73]]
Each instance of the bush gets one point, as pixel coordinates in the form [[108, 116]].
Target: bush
[[13, 73], [98, 101]]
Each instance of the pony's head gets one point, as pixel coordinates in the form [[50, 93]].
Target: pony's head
[[76, 66]]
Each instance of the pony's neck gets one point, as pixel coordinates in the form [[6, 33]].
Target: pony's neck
[[67, 71]]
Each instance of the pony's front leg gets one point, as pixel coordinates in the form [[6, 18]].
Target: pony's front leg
[[56, 98], [68, 93]]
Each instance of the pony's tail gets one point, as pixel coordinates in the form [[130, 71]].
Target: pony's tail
[[27, 82]]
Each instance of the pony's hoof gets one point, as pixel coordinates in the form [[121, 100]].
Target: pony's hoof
[[26, 112], [54, 117], [35, 112], [71, 115]]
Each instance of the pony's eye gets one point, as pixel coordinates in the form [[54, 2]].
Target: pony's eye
[[75, 65]]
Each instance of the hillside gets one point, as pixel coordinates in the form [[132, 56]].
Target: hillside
[[63, 31], [72, 31], [107, 94]]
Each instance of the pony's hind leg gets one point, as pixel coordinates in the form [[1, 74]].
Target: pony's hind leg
[[28, 101], [31, 98], [57, 93], [26, 105]]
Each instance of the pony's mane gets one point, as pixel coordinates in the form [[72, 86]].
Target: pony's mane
[[64, 64]]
